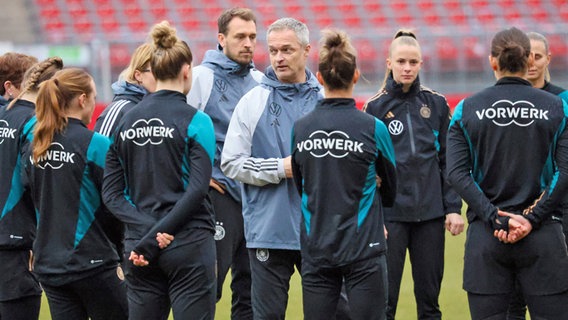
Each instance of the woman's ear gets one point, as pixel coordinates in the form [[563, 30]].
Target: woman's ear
[[356, 76], [82, 99], [494, 63], [319, 77]]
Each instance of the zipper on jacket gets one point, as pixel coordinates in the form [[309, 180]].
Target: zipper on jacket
[[410, 131]]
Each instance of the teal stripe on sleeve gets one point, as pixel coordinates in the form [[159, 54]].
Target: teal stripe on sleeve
[[458, 112], [28, 132], [98, 149], [201, 130], [306, 211], [436, 139], [368, 195], [384, 142], [565, 107], [90, 201], [16, 189], [564, 96]]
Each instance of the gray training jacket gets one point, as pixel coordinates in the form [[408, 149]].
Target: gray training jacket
[[258, 140], [218, 84]]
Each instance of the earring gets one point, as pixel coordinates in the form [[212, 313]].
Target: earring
[[10, 94]]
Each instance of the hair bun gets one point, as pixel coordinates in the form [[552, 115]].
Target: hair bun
[[404, 33], [163, 35]]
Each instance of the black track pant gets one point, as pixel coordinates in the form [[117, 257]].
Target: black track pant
[[20, 292], [271, 272], [98, 297], [26, 308], [366, 287], [232, 253], [494, 307], [182, 278], [425, 244]]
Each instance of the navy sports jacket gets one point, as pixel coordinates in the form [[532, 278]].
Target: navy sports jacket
[[507, 149], [337, 153], [18, 217], [417, 122], [158, 170], [65, 186]]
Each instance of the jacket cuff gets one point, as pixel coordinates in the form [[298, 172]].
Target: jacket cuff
[[281, 171]]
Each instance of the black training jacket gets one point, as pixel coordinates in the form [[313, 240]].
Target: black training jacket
[[65, 186], [508, 149], [417, 122], [337, 153], [18, 217], [158, 170]]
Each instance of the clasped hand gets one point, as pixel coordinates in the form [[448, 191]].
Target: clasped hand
[[519, 227], [164, 241]]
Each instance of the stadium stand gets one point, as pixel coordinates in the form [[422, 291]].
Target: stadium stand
[[454, 33]]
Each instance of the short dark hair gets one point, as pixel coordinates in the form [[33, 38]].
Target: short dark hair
[[227, 16], [12, 68]]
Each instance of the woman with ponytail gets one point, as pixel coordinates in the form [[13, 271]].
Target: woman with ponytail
[[507, 157], [75, 261], [417, 118], [342, 237], [156, 182], [20, 293]]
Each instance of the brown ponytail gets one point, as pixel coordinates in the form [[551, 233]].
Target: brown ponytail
[[54, 99]]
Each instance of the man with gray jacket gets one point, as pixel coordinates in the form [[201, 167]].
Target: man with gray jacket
[[223, 77], [257, 153]]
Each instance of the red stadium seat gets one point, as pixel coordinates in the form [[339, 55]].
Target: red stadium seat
[[105, 11], [425, 5], [371, 6]]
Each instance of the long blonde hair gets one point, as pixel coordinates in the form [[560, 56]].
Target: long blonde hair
[[401, 37], [53, 100], [140, 59]]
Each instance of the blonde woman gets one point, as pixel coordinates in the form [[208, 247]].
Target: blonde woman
[[156, 182]]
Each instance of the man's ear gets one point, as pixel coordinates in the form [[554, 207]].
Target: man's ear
[[307, 50], [221, 39]]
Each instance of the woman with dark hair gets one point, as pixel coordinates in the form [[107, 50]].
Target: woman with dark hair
[[12, 68], [342, 235], [417, 118], [75, 261], [20, 293], [156, 182], [508, 158]]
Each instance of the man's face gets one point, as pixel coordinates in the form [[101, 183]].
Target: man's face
[[287, 56], [239, 42]]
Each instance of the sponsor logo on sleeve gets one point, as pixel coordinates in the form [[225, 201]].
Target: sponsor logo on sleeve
[[336, 144], [504, 113], [6, 132], [144, 131], [55, 157]]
